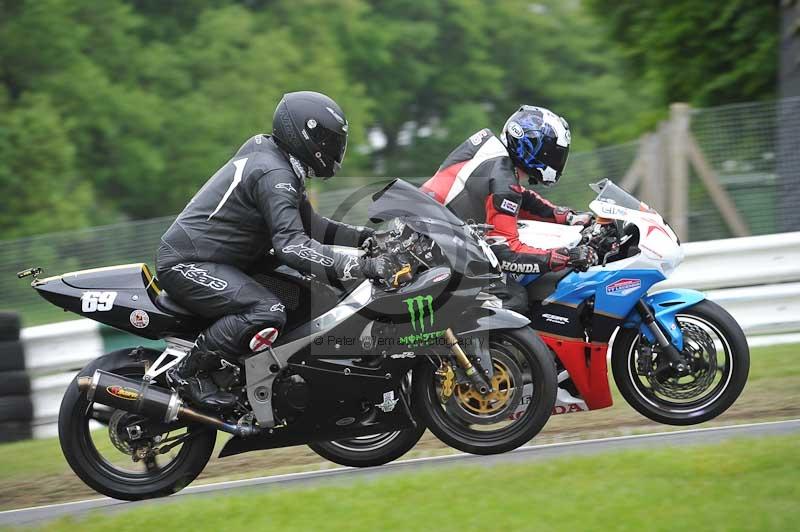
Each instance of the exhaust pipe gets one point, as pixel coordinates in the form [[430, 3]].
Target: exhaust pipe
[[141, 397]]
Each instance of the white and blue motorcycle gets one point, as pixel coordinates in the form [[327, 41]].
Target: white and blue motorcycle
[[677, 357]]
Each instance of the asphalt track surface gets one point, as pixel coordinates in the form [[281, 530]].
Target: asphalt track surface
[[697, 436]]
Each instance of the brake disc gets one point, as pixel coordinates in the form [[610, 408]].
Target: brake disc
[[118, 422], [702, 358], [469, 405]]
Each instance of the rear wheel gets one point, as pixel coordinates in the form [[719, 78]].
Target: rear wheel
[[524, 392], [101, 449], [715, 349]]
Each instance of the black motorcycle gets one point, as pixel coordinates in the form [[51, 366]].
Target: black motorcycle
[[350, 365]]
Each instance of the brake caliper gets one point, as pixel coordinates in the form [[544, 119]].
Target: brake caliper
[[448, 379]]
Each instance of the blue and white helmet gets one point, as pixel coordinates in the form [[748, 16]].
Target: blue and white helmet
[[537, 141]]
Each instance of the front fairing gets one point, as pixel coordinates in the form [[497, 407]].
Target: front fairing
[[423, 214], [658, 245]]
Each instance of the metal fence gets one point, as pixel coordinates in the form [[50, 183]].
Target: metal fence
[[750, 147], [754, 149]]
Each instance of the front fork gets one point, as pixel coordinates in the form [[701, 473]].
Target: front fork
[[476, 377], [675, 361]]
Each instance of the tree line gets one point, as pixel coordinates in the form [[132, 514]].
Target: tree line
[[120, 109]]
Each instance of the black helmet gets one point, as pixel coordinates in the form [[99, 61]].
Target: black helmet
[[311, 127], [537, 141]]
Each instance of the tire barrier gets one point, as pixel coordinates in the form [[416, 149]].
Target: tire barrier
[[16, 405]]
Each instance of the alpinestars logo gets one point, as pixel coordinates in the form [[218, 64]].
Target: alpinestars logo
[[306, 253], [286, 186], [416, 311], [347, 273], [200, 276]]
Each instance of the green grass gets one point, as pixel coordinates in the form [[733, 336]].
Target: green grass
[[774, 362], [44, 456], [35, 472], [738, 485]]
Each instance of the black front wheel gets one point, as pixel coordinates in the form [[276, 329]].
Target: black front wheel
[[716, 351], [103, 447], [523, 393]]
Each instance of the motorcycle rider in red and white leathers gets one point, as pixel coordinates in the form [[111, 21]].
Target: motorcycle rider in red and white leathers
[[480, 182]]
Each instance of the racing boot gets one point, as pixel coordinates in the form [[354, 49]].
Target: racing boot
[[194, 384]]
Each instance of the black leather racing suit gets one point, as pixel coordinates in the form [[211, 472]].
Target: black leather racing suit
[[256, 202]]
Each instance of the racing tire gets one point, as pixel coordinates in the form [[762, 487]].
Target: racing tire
[[12, 355], [9, 326], [16, 408], [455, 433], [11, 431], [370, 451], [14, 383], [733, 341], [103, 477]]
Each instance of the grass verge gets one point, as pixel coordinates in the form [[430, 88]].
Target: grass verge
[[34, 472], [738, 485]]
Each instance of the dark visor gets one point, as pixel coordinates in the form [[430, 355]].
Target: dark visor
[[332, 144], [553, 155]]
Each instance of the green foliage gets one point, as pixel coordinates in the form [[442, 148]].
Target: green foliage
[[708, 53], [120, 109]]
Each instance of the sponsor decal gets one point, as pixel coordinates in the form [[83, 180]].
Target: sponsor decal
[[286, 186], [121, 392], [263, 339], [420, 312], [517, 267], [623, 287], [509, 206], [278, 307], [478, 137], [553, 318], [559, 408], [311, 123], [515, 130], [416, 311], [200, 276], [404, 354], [140, 319], [567, 409], [259, 139], [389, 402], [441, 277], [309, 254], [347, 273], [97, 301], [612, 210]]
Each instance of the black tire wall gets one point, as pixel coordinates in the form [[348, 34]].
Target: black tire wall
[[16, 405]]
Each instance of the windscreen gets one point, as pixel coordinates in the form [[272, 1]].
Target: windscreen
[[608, 192], [400, 199]]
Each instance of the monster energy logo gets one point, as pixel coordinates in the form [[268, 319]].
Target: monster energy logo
[[416, 310]]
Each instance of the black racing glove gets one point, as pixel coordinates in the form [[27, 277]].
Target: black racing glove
[[377, 269], [582, 258], [366, 235], [580, 218]]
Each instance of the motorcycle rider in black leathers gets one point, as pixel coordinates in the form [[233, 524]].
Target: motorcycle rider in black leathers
[[255, 203], [480, 182]]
